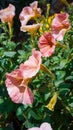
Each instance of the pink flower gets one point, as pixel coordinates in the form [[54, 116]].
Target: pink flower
[[30, 28], [44, 126], [47, 44], [60, 25], [31, 67], [17, 88], [7, 14], [17, 81], [29, 12]]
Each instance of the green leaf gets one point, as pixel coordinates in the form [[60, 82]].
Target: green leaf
[[60, 74], [71, 104], [63, 63], [9, 54], [19, 113], [58, 82], [1, 51], [1, 101], [47, 96], [21, 52], [36, 116]]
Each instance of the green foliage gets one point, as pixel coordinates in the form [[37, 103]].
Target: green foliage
[[43, 86]]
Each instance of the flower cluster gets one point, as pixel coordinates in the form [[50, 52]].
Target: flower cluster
[[18, 81]]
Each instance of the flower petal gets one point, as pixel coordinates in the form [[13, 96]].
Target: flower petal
[[31, 67], [59, 25], [47, 44], [7, 14], [45, 126], [30, 28], [28, 96], [15, 95]]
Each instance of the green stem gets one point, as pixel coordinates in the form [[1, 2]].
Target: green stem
[[48, 9], [32, 40], [66, 107], [25, 119], [10, 30], [66, 3], [61, 45], [44, 68]]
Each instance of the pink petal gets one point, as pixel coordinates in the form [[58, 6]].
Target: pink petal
[[14, 77], [59, 25], [15, 95], [28, 96], [25, 15], [31, 67], [30, 28], [34, 5], [60, 35], [47, 51], [47, 44], [45, 126], [7, 14]]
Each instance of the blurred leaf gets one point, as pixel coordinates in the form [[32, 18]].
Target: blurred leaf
[[60, 74], [63, 63], [35, 115], [9, 54]]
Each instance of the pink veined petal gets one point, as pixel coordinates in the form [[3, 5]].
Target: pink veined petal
[[28, 12], [62, 16], [43, 43], [60, 35], [45, 126], [36, 10], [9, 83], [7, 14], [47, 44], [28, 96], [32, 65], [59, 25], [30, 28], [56, 25], [25, 15], [34, 5], [15, 78], [47, 51], [15, 95]]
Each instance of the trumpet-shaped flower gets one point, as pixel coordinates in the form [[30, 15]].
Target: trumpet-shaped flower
[[31, 67], [7, 14], [30, 28], [17, 88], [44, 126], [60, 25], [17, 81], [47, 44], [29, 12]]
